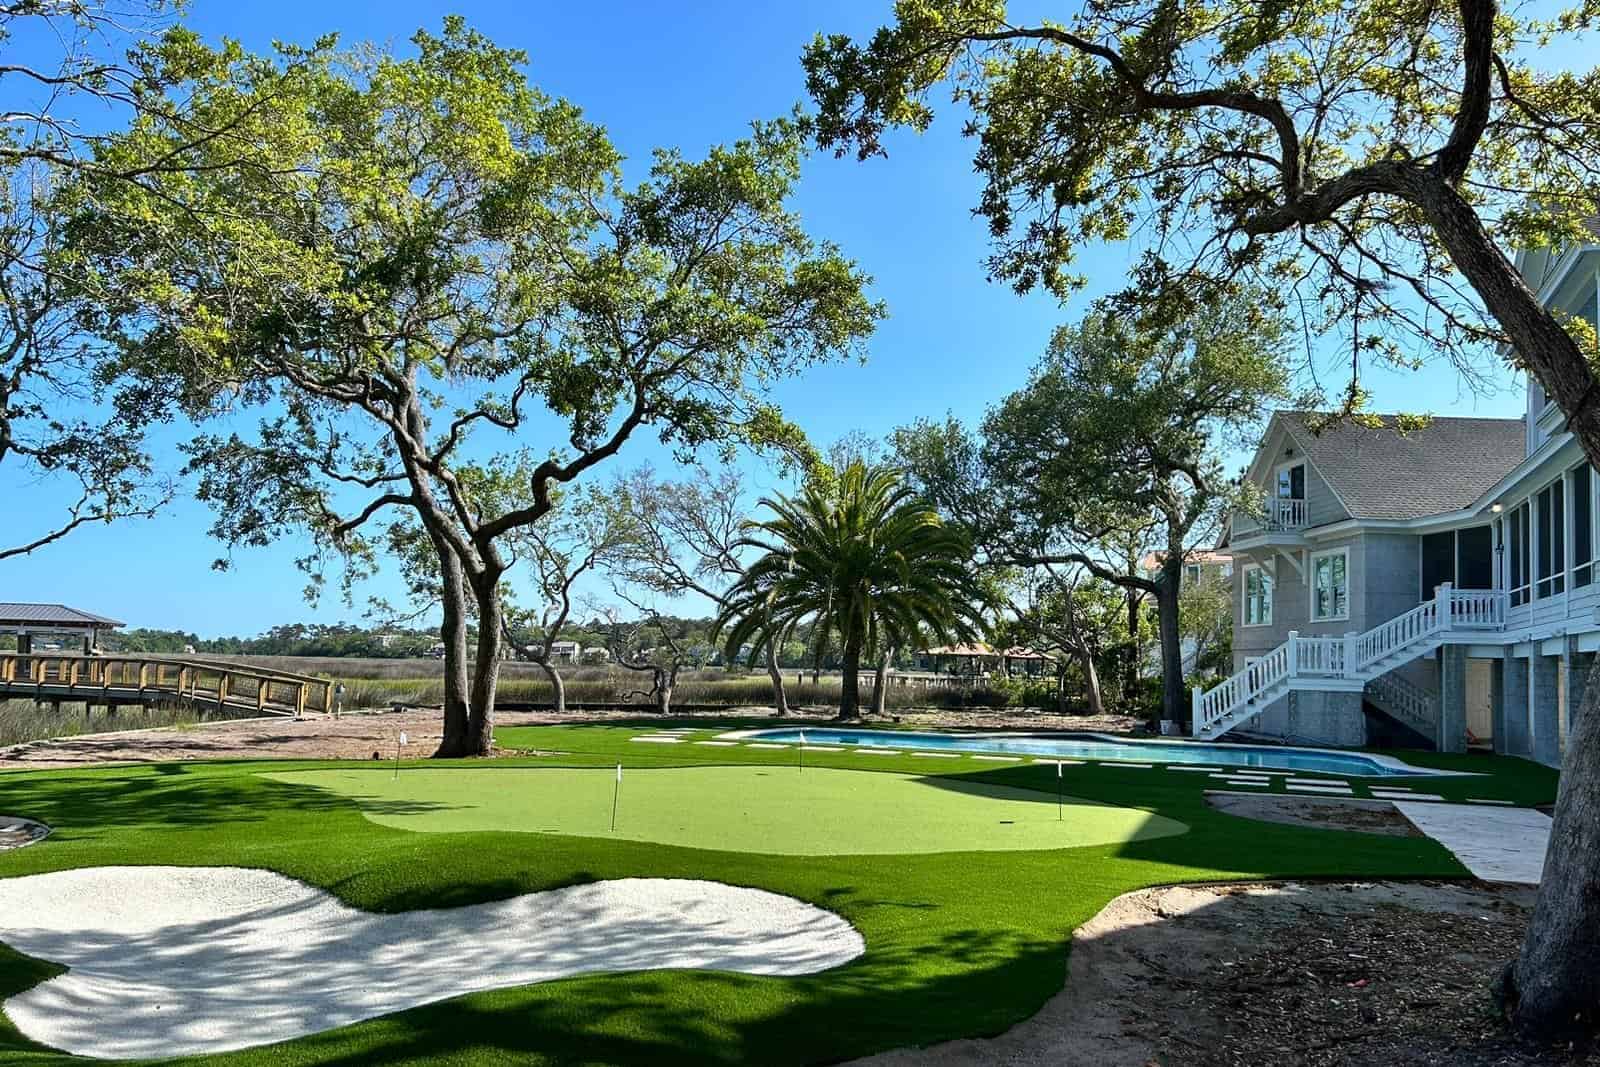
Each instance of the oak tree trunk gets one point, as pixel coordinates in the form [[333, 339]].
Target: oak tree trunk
[[1091, 682], [1171, 643], [557, 685], [485, 667], [1130, 659], [780, 699], [453, 633], [1553, 988], [880, 685]]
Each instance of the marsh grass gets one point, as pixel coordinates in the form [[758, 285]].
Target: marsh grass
[[23, 720]]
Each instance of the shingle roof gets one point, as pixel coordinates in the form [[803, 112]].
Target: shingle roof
[[50, 615], [1380, 473]]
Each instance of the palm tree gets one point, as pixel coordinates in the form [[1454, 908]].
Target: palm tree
[[862, 557]]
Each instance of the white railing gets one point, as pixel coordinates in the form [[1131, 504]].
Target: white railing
[[1235, 692], [1477, 609], [1284, 513], [1411, 704], [1352, 657]]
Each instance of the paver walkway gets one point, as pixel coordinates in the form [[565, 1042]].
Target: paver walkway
[[1495, 844]]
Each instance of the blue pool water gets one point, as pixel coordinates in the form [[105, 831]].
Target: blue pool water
[[1093, 746]]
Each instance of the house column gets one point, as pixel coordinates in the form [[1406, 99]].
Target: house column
[[1577, 665], [1544, 709], [1452, 725], [1511, 736]]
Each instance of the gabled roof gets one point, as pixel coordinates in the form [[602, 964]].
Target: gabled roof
[[50, 615], [1380, 473]]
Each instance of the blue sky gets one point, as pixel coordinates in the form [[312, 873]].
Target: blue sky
[[685, 75]]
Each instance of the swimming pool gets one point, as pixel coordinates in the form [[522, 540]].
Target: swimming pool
[[1100, 747]]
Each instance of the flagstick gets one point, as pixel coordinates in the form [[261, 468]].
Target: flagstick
[[1058, 790], [616, 790]]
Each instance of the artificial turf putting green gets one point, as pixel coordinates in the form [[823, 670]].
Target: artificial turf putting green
[[776, 810]]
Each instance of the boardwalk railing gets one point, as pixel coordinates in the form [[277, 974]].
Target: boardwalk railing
[[125, 679]]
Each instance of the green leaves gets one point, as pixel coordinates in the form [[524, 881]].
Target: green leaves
[[857, 554]]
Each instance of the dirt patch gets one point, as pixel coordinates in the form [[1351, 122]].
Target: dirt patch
[[16, 832], [1304, 975], [1322, 813], [359, 735]]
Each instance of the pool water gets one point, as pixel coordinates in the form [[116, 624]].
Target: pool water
[[1095, 746]]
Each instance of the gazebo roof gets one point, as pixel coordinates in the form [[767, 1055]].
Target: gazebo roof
[[53, 615]]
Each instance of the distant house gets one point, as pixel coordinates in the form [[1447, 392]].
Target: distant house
[[1442, 579], [566, 652]]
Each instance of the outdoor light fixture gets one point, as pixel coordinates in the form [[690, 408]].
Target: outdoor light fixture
[[1495, 508]]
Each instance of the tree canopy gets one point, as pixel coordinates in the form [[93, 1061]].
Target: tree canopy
[[431, 262]]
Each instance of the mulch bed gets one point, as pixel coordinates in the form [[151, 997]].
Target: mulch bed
[[1393, 985]]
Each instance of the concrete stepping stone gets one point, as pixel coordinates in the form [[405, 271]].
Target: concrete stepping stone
[[1497, 846], [937, 755], [1063, 762], [1129, 766], [999, 759], [1246, 781], [822, 748], [764, 744], [1502, 803], [1191, 768], [718, 744], [1328, 790], [1405, 796], [658, 740], [879, 751]]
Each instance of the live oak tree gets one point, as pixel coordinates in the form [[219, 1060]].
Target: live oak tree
[[436, 265], [68, 420], [688, 540], [1375, 162], [1116, 439], [584, 535]]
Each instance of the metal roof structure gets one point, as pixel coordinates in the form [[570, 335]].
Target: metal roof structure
[[52, 616]]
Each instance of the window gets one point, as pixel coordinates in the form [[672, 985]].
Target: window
[[1519, 577], [1257, 596], [1292, 482], [1438, 561], [1582, 527], [1330, 585], [1191, 574], [1552, 542]]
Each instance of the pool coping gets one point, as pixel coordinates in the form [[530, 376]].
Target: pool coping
[[1409, 770]]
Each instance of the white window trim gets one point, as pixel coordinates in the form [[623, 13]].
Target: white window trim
[[1244, 597], [1311, 572]]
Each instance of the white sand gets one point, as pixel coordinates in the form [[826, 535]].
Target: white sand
[[168, 961]]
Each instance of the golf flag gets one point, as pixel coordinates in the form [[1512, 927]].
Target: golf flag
[[616, 791], [404, 740], [1059, 815]]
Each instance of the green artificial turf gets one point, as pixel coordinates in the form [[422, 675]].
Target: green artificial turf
[[959, 943], [778, 810]]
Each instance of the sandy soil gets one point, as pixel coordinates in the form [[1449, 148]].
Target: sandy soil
[[359, 735], [1219, 976], [277, 959], [1323, 813]]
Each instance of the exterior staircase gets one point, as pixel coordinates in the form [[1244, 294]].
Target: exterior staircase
[[1406, 703], [1348, 663]]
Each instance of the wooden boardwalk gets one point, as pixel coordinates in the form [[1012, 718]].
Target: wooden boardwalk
[[165, 681]]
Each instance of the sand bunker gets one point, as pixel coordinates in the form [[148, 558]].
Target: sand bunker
[[169, 961]]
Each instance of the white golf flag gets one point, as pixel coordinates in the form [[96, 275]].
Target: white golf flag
[[1058, 768], [619, 772], [802, 739], [403, 738]]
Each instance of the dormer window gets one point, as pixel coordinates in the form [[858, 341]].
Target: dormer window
[[1292, 482]]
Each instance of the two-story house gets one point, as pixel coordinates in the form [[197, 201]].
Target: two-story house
[[1441, 581]]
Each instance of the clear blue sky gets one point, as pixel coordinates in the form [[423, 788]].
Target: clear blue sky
[[685, 75]]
